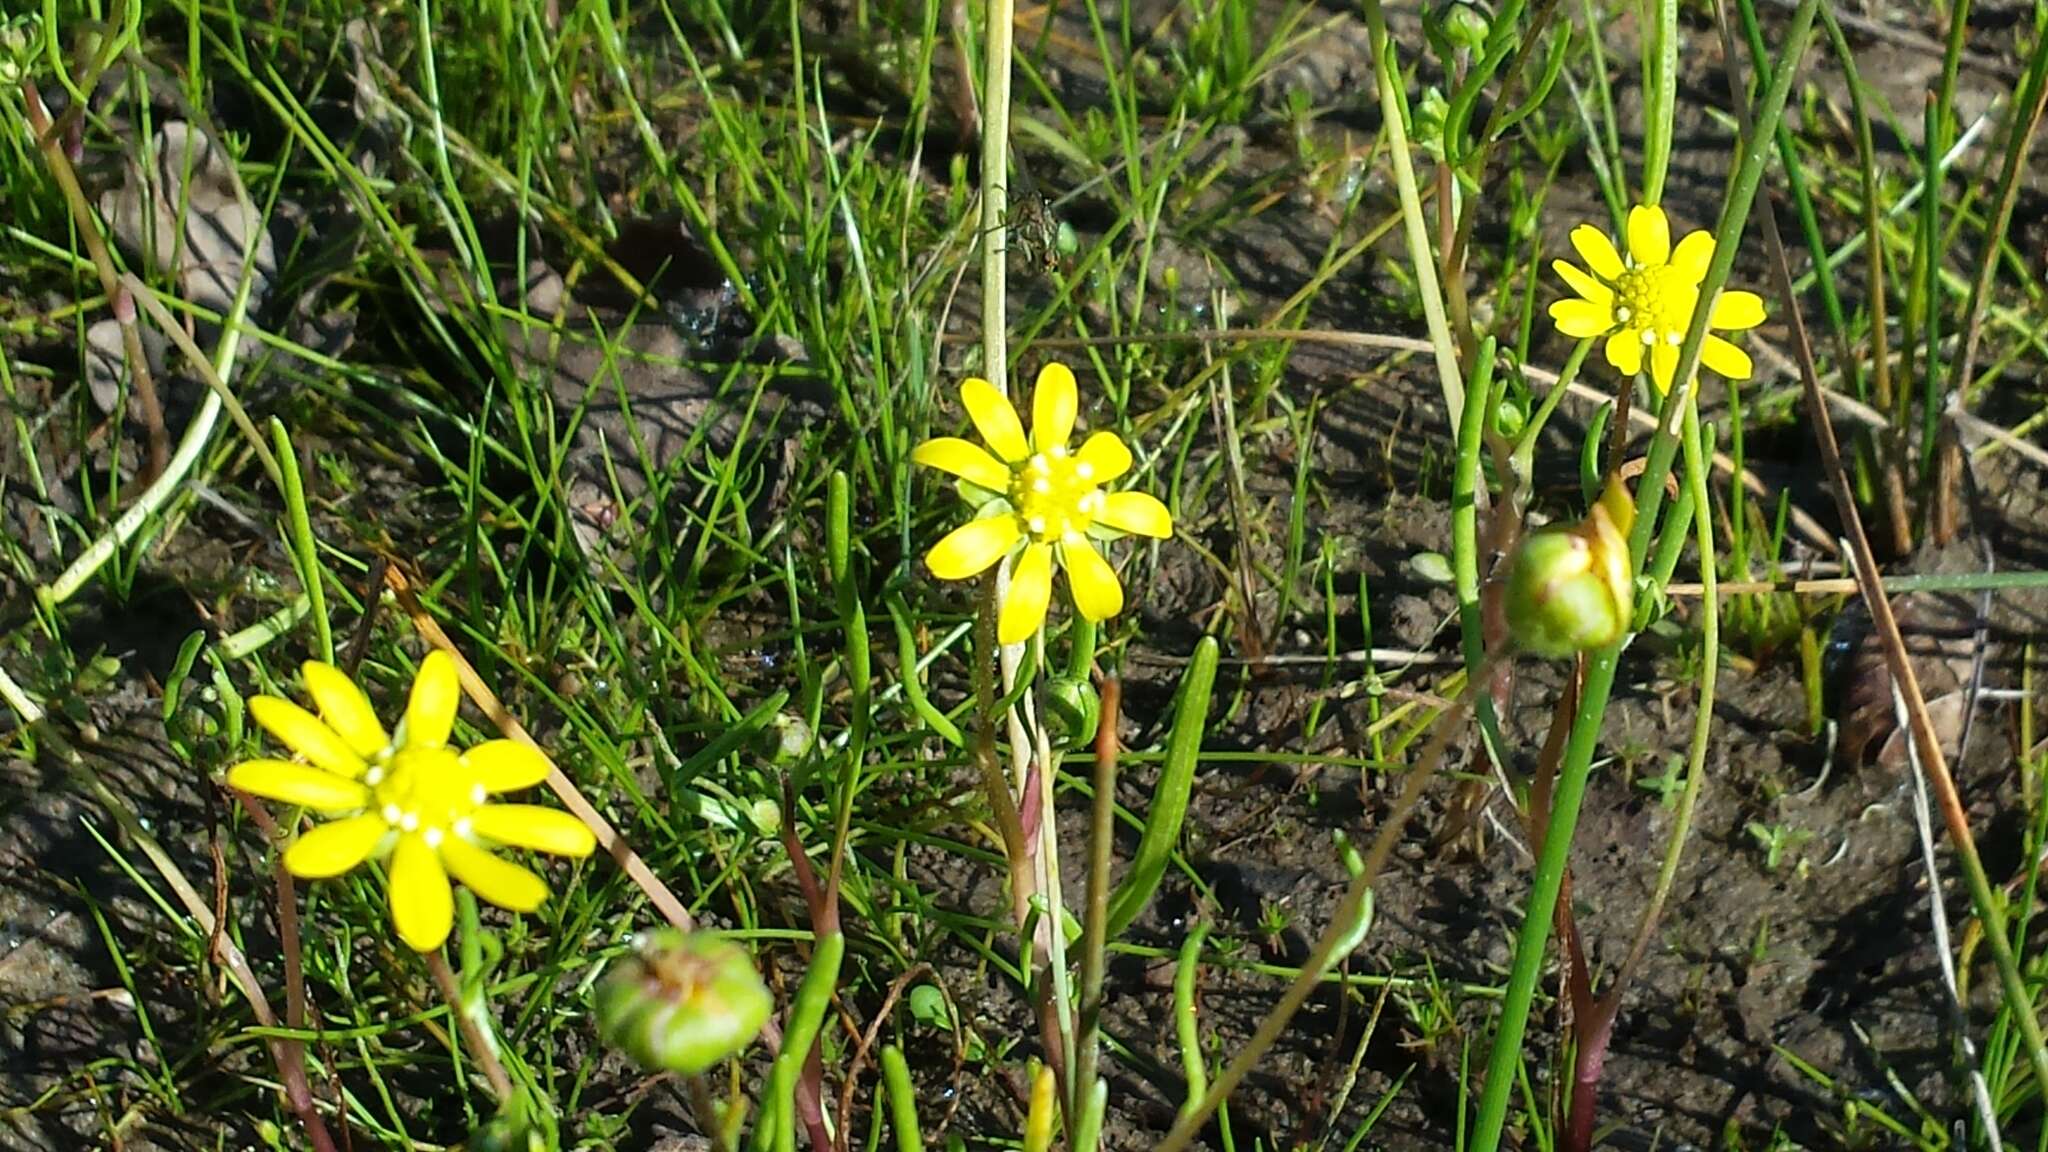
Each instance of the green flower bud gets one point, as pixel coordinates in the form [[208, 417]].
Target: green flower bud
[[1075, 707], [682, 1002], [1459, 25], [1569, 586], [786, 739]]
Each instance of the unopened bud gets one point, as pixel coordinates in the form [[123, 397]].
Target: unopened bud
[[788, 738], [1461, 24], [1569, 586], [1075, 707], [683, 1002]]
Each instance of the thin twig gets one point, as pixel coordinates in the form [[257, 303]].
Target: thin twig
[[1808, 527], [1937, 917], [110, 280], [2019, 998], [473, 1038], [565, 789]]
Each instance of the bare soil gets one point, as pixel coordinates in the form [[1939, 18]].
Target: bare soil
[[1827, 955]]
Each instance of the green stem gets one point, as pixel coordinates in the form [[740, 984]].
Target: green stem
[[1523, 456], [304, 549], [853, 621], [1347, 928], [1416, 229], [1194, 1068], [913, 678], [1696, 465], [1504, 1062], [806, 1016], [2032, 95], [473, 1038], [1465, 483], [1664, 99], [995, 166], [1095, 933], [1534, 938], [902, 1100]]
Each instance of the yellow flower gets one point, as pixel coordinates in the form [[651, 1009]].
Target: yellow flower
[[410, 795], [1035, 493], [1647, 300]]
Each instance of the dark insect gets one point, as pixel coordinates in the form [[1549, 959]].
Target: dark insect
[[1034, 227]]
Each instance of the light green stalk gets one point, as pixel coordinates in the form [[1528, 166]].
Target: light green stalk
[[995, 191], [1386, 72], [305, 550], [1533, 940], [1663, 86]]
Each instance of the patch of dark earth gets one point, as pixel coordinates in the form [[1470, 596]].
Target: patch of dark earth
[[1827, 955]]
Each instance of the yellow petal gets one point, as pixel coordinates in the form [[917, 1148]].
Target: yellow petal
[[532, 826], [1597, 251], [436, 692], [1737, 311], [1693, 254], [1579, 319], [345, 709], [995, 418], [969, 549], [1137, 512], [301, 784], [303, 733], [1649, 236], [500, 881], [1097, 594], [1663, 364], [1625, 351], [1720, 356], [422, 906], [1586, 286], [1105, 456], [965, 459], [1054, 401], [334, 848], [1030, 591], [506, 765]]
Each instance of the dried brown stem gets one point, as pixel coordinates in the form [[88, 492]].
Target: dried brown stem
[[565, 789], [52, 147], [1934, 762], [473, 1037], [858, 1060]]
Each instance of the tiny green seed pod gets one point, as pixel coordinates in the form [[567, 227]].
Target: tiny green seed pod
[[786, 739], [1075, 707], [682, 1002], [1569, 586], [1460, 25]]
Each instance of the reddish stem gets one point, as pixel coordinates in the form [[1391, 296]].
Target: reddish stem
[[290, 1054]]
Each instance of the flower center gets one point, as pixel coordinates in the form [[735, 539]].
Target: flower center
[[1655, 302], [1056, 496], [426, 790]]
